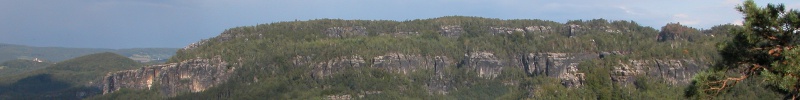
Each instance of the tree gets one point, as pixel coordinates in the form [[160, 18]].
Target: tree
[[764, 48]]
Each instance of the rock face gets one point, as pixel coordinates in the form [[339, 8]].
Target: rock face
[[321, 70], [529, 29], [575, 29], [345, 31], [505, 30], [539, 29], [485, 64], [392, 62], [561, 65], [197, 75], [193, 75], [451, 30], [673, 71], [405, 64]]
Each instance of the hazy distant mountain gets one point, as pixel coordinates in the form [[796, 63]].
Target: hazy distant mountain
[[67, 80], [56, 54]]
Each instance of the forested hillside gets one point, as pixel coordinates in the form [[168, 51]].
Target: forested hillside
[[67, 80], [18, 66], [453, 57]]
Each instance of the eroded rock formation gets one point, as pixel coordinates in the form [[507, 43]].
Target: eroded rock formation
[[193, 75], [561, 65]]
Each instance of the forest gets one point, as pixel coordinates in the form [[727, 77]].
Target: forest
[[471, 58]]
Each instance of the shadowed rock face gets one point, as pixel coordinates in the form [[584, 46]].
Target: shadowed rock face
[[193, 75]]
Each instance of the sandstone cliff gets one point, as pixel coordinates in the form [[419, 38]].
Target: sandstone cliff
[[197, 75], [673, 71], [485, 64], [193, 75]]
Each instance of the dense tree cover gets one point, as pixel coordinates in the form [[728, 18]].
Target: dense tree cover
[[70, 79], [18, 66], [762, 54]]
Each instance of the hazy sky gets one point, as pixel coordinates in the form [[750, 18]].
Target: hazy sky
[[177, 23]]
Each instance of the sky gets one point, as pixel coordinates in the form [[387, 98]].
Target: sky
[[120, 24]]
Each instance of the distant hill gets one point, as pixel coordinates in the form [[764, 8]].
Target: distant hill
[[70, 79], [13, 67], [452, 57], [56, 54]]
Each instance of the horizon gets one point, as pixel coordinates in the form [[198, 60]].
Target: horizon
[[175, 24]]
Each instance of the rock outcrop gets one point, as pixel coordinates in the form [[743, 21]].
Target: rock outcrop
[[321, 70], [193, 75], [451, 30], [392, 62], [197, 75], [560, 65], [673, 71], [539, 29], [529, 29], [505, 30], [485, 64], [575, 29], [405, 64]]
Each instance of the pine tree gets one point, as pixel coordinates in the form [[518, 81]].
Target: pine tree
[[764, 48]]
